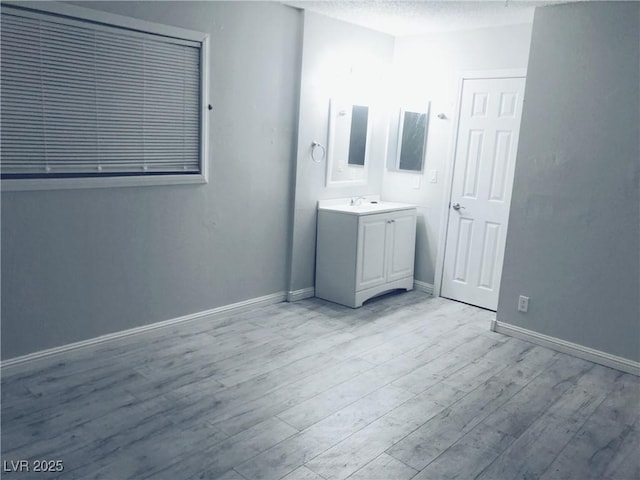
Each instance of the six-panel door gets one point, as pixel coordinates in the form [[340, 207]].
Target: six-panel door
[[484, 165]]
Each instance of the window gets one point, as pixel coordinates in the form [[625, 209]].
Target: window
[[99, 100]]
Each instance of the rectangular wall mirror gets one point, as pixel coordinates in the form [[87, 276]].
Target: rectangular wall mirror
[[348, 144], [408, 140], [358, 134]]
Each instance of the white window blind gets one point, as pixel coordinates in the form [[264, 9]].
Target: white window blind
[[82, 99]]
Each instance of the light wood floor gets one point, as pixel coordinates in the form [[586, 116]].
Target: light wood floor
[[406, 387]]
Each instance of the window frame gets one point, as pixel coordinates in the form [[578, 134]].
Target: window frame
[[72, 14]]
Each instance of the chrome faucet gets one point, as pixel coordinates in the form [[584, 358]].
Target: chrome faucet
[[356, 201]]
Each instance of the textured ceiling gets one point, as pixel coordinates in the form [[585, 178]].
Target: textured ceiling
[[419, 17]]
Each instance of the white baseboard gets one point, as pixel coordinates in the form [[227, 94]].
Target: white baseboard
[[214, 312], [294, 296], [570, 348], [423, 287]]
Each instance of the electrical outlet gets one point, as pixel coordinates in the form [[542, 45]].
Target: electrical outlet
[[523, 304]]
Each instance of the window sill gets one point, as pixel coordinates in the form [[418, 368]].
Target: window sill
[[14, 185]]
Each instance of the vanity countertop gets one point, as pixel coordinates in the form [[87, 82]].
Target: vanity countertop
[[366, 206]]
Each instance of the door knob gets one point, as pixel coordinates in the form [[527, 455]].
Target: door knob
[[457, 206]]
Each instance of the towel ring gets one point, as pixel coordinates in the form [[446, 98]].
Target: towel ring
[[315, 146]]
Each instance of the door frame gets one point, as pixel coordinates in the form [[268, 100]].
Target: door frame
[[445, 211]]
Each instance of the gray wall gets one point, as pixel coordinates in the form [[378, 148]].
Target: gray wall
[[329, 45], [81, 263], [573, 239]]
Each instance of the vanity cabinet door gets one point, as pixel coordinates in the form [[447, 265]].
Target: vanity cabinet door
[[371, 262], [401, 242], [359, 256]]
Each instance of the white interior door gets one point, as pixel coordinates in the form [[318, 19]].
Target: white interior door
[[485, 154]]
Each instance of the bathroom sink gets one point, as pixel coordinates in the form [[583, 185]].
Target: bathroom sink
[[365, 207]]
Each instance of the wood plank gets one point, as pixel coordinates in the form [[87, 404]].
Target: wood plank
[[516, 415], [384, 467], [406, 383], [423, 445], [532, 453], [310, 411], [241, 415], [468, 456], [285, 457], [230, 475], [168, 459], [626, 462], [294, 452], [357, 450], [302, 473], [597, 444]]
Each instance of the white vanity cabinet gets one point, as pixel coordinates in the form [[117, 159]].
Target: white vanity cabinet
[[362, 252]]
